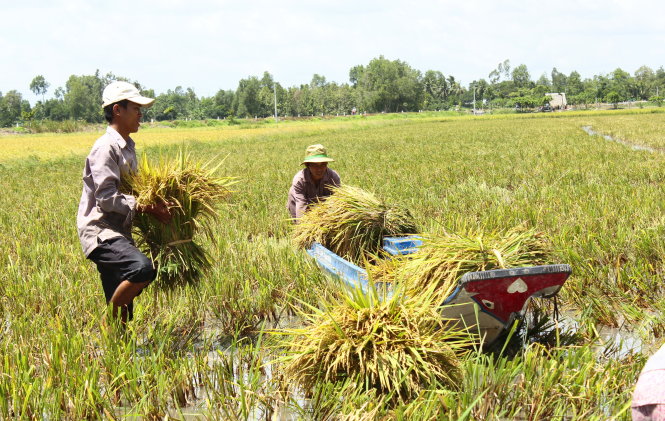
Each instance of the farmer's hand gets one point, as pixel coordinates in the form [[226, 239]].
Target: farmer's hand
[[159, 210]]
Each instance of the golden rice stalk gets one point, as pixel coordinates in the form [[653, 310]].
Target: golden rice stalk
[[352, 223], [192, 190], [443, 259], [395, 347]]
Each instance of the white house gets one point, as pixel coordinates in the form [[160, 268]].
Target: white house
[[558, 100]]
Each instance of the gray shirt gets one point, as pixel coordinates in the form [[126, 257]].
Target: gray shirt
[[304, 191], [103, 211]]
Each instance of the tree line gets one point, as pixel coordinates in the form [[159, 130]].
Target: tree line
[[382, 85]]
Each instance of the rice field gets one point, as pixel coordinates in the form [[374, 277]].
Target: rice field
[[207, 351], [643, 129]]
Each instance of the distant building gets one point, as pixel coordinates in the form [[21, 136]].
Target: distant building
[[558, 101]]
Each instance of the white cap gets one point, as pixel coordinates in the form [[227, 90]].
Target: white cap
[[118, 90]]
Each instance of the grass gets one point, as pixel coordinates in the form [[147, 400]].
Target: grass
[[600, 204]]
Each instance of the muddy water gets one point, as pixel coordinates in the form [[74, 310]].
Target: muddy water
[[633, 146], [221, 352], [612, 342]]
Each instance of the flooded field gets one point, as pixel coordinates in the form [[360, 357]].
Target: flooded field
[[216, 350]]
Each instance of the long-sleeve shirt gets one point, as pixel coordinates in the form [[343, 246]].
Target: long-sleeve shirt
[[103, 211], [304, 191]]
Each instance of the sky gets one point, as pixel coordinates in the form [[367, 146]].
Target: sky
[[210, 45]]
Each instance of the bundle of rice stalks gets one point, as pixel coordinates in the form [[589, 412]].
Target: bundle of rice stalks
[[443, 259], [352, 223], [191, 191], [395, 347]]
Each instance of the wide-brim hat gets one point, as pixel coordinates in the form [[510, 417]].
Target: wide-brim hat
[[316, 153], [119, 90]]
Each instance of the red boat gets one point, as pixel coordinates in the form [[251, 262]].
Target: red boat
[[488, 301]]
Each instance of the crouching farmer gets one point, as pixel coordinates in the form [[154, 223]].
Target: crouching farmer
[[312, 183], [105, 215]]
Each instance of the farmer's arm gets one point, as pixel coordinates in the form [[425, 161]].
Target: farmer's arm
[[106, 176], [334, 179], [105, 173], [159, 210], [299, 192]]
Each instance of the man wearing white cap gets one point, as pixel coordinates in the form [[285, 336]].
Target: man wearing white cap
[[105, 215], [313, 182]]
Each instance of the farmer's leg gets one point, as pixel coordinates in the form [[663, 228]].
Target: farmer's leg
[[124, 271], [123, 298], [137, 273]]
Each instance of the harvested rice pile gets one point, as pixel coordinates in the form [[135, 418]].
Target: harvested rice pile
[[352, 223], [443, 259], [394, 347], [191, 190]]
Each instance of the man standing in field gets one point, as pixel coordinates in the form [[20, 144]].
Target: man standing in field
[[105, 215], [313, 182]]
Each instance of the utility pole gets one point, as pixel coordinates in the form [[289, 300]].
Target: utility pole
[[274, 89], [474, 99]]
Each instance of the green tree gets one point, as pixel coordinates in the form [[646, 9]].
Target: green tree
[[28, 116], [193, 109], [645, 81], [39, 86], [614, 98], [600, 86], [246, 102], [502, 70], [454, 91], [83, 97], [11, 105], [55, 109], [544, 81], [223, 103], [435, 90], [574, 85], [657, 99], [559, 81], [175, 104], [388, 86], [356, 73], [620, 83], [345, 99], [583, 98], [521, 77], [659, 82]]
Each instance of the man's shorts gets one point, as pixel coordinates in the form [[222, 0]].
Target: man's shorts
[[117, 260]]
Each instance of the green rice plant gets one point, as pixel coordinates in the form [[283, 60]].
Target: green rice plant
[[395, 346], [444, 258], [352, 223], [547, 383], [191, 190]]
